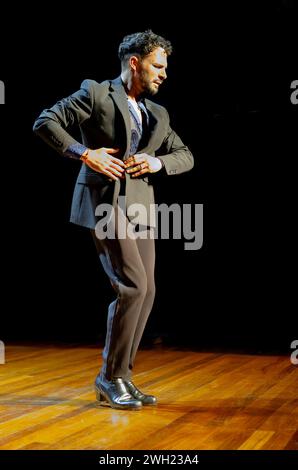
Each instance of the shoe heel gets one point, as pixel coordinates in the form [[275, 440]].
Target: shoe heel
[[99, 396]]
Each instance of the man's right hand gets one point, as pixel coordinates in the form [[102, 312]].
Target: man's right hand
[[103, 161]]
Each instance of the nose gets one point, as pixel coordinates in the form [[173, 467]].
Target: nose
[[162, 75]]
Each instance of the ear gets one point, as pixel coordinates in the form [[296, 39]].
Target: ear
[[134, 62]]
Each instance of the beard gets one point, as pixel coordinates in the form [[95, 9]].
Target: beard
[[149, 89]]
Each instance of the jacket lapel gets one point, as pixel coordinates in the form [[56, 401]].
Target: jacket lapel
[[120, 98], [154, 132]]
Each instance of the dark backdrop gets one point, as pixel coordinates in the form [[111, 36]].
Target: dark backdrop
[[228, 95]]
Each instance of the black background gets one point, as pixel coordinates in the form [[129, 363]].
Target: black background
[[228, 95]]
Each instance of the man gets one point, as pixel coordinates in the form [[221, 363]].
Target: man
[[126, 139]]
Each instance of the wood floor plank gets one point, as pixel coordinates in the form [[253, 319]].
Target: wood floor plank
[[206, 400], [293, 442], [257, 440]]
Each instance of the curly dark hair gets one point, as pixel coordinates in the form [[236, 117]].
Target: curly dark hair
[[142, 44]]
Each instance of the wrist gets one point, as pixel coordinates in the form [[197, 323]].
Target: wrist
[[84, 155]]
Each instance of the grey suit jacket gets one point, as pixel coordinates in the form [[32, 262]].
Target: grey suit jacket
[[101, 112]]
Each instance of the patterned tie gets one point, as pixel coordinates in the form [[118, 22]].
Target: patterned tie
[[138, 128]]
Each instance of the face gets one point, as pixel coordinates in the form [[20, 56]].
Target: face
[[151, 71]]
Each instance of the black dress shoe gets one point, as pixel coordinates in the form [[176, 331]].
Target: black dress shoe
[[138, 395], [115, 394]]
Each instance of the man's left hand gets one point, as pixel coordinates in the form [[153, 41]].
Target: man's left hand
[[142, 163]]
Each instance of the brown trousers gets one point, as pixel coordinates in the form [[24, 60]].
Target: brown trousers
[[129, 263]]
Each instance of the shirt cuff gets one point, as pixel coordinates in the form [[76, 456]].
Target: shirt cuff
[[75, 151], [162, 162]]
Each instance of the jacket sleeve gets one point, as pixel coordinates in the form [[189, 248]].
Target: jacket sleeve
[[174, 155], [53, 124]]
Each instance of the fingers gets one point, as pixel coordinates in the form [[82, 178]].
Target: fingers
[[130, 159], [134, 160], [116, 170], [117, 162], [111, 175], [108, 150], [112, 165], [136, 165], [140, 173], [103, 161], [108, 168], [138, 169], [116, 166]]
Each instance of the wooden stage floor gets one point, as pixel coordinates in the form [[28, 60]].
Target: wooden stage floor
[[206, 400]]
